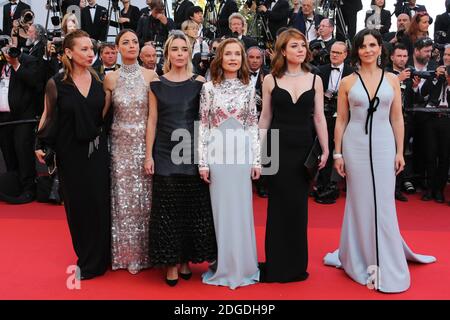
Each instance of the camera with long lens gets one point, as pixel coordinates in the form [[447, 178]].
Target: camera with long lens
[[330, 102], [421, 74], [320, 53], [5, 47], [26, 18]]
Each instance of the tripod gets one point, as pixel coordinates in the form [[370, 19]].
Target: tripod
[[259, 29], [210, 18], [113, 6], [53, 6], [332, 10]]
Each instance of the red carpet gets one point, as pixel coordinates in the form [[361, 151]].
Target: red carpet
[[35, 251]]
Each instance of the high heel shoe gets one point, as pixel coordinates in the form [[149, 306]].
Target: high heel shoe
[[185, 276], [172, 283]]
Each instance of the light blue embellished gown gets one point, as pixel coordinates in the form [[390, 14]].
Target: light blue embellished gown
[[229, 147], [372, 251]]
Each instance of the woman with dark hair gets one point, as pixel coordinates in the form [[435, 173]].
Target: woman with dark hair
[[379, 17], [229, 158], [291, 94], [131, 189], [181, 222], [71, 126], [369, 153]]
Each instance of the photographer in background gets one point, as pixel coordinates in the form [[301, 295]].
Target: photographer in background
[[275, 11], [94, 20], [17, 141], [128, 16], [255, 58], [237, 25], [321, 47], [20, 28], [226, 8], [11, 12], [442, 26], [436, 131], [399, 58], [409, 7], [180, 12], [403, 22], [306, 21], [149, 59], [156, 26], [327, 190], [108, 60]]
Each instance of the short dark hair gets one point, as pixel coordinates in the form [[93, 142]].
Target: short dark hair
[[423, 42], [399, 46], [373, 3], [193, 10], [104, 45], [358, 41]]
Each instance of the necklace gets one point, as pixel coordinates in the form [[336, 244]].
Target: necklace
[[130, 68], [301, 72]]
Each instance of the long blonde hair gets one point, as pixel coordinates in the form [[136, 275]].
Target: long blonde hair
[[69, 43], [167, 65]]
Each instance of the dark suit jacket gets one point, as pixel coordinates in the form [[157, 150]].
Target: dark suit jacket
[[97, 29], [258, 86], [100, 70], [22, 89], [325, 72], [225, 11], [442, 24], [400, 9], [249, 42], [181, 12], [145, 11], [298, 21], [150, 29], [352, 5], [385, 20], [133, 14], [278, 16], [7, 21]]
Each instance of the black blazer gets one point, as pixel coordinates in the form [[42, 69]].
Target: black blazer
[[225, 11], [7, 21], [97, 29], [22, 89], [400, 9], [385, 20], [181, 12], [298, 21], [133, 14], [442, 24], [352, 6], [248, 42], [258, 86], [325, 71], [278, 16]]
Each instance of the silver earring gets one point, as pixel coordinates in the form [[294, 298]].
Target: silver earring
[[379, 60]]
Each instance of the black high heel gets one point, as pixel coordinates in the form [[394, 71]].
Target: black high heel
[[172, 283], [185, 276]]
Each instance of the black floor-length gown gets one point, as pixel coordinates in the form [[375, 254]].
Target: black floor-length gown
[[286, 244], [73, 130]]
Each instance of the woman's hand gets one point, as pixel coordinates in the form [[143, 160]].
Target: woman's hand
[[40, 155], [149, 166], [399, 163], [256, 173], [323, 160], [340, 167], [204, 175]]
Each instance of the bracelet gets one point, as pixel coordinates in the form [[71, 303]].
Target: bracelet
[[337, 156]]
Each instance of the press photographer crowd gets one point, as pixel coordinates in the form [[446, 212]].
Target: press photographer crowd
[[32, 53]]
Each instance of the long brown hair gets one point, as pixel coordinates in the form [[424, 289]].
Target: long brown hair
[[69, 43], [413, 29], [279, 64], [217, 74]]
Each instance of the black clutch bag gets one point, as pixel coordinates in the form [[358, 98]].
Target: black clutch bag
[[50, 160], [313, 159]]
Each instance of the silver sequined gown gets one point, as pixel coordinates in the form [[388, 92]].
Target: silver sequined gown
[[130, 187]]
